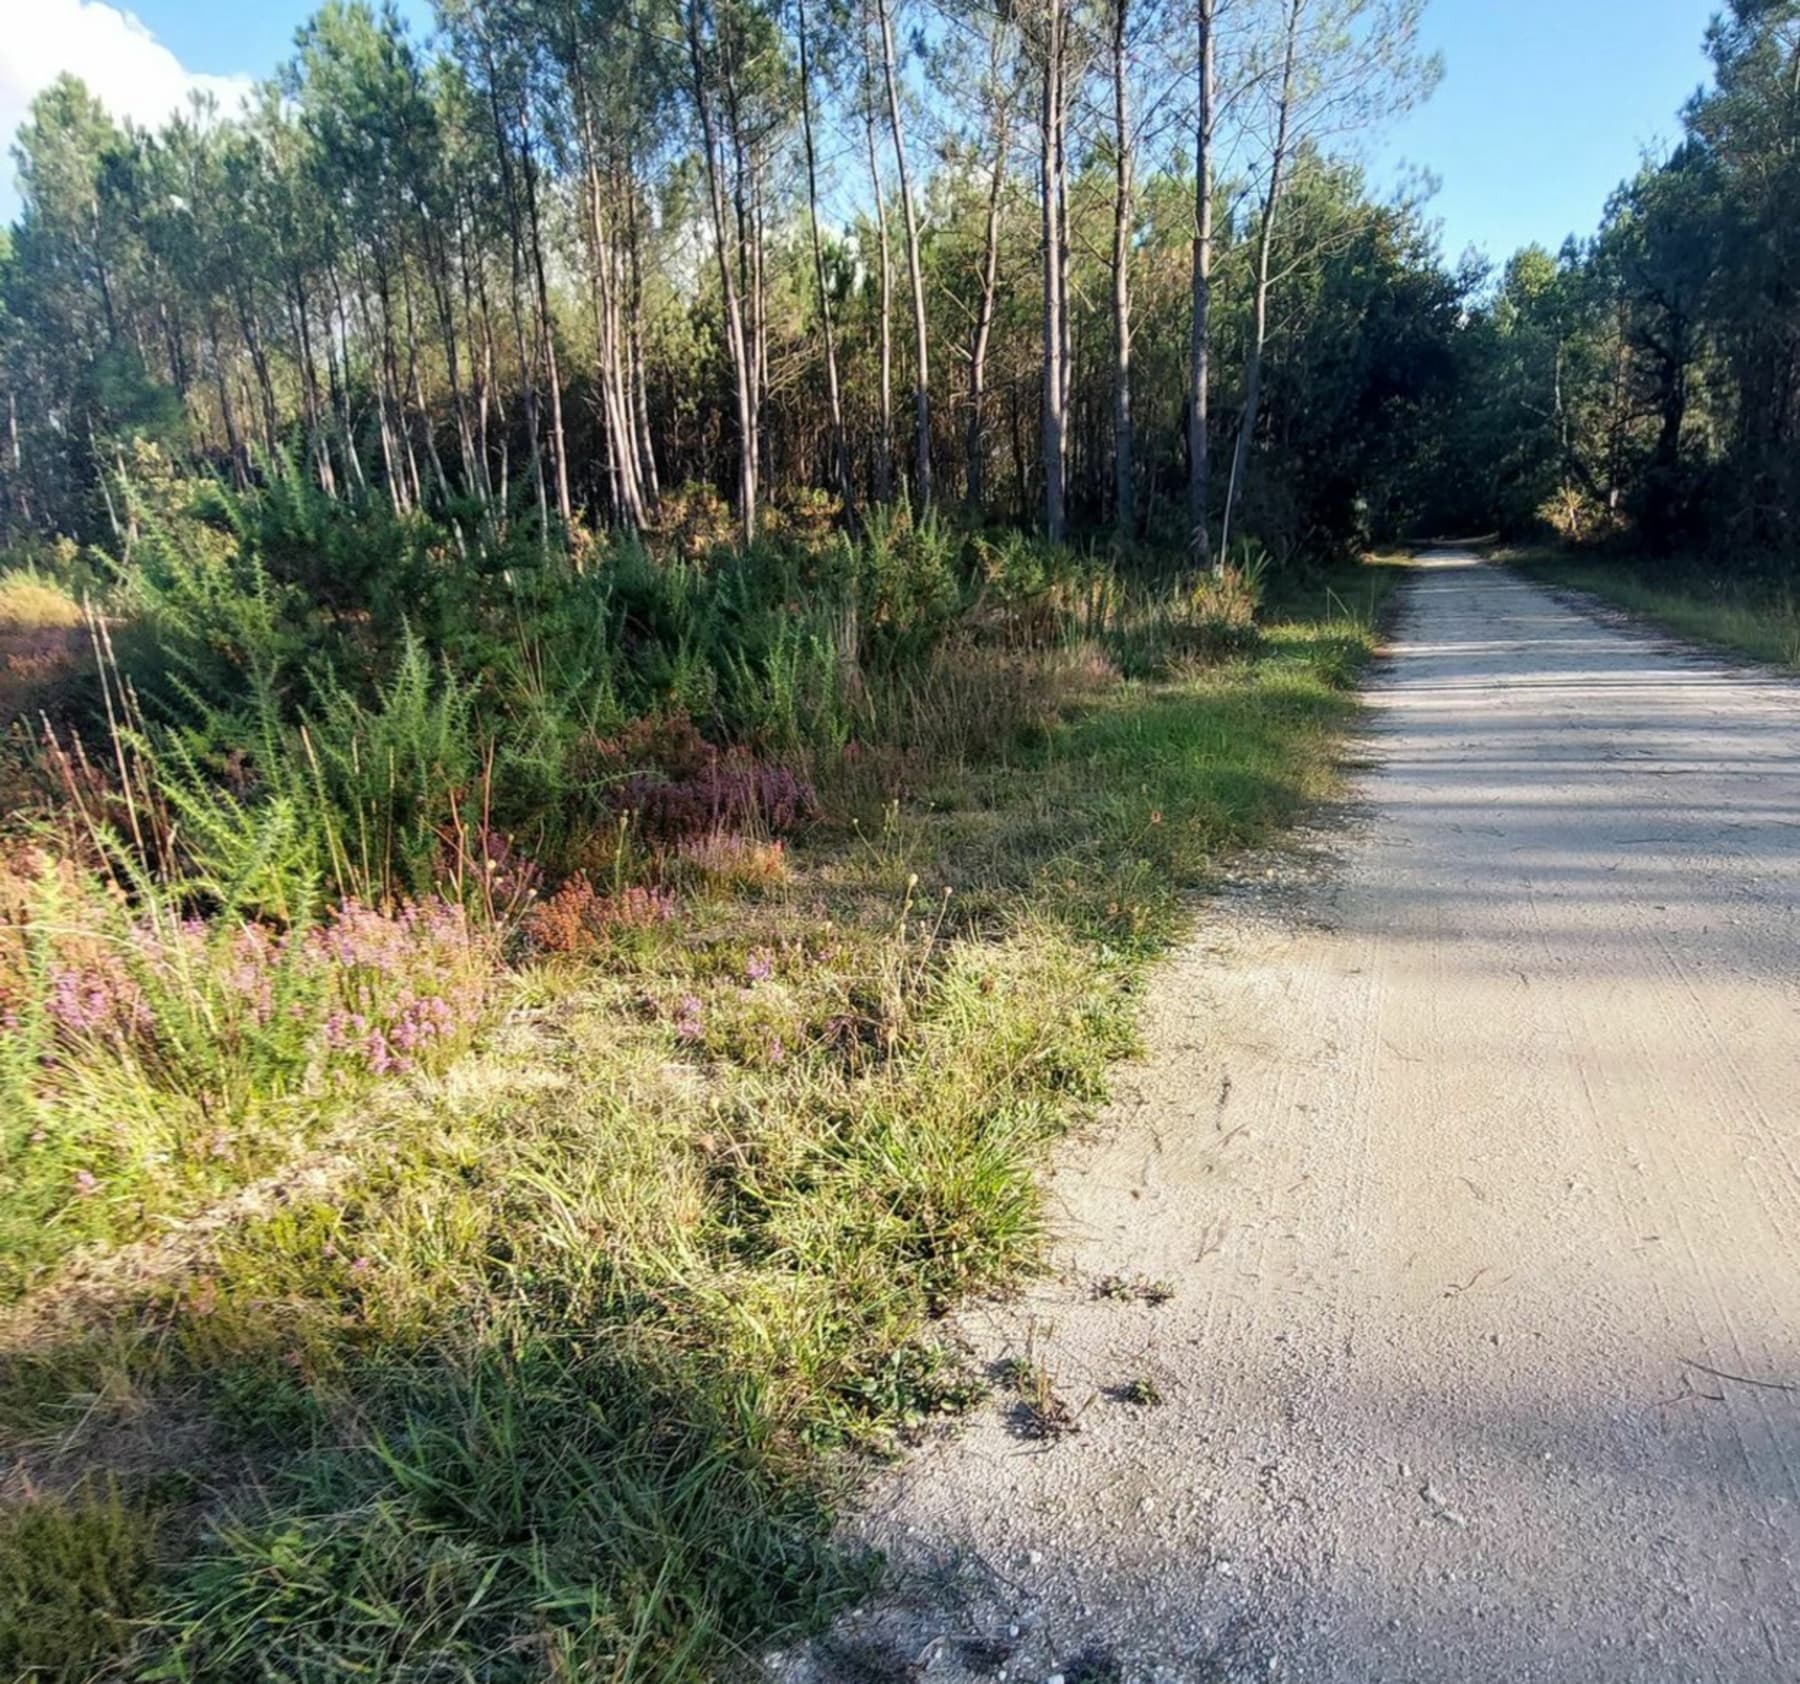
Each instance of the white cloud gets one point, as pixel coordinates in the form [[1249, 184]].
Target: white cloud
[[128, 70]]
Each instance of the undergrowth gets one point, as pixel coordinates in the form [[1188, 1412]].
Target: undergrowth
[[487, 1142]]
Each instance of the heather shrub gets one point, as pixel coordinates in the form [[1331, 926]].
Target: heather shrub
[[726, 861], [147, 1056], [732, 790], [577, 920], [666, 742]]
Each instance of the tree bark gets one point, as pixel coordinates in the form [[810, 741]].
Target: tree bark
[[1200, 348], [1265, 243], [922, 387]]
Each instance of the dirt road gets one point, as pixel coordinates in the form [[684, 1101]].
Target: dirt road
[[1473, 1163]]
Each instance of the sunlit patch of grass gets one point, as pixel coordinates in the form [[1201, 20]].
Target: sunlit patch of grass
[[32, 601], [1693, 602], [42, 643]]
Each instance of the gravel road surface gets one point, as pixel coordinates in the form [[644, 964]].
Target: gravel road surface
[[1468, 1150]]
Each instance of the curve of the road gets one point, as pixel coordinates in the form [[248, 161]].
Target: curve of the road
[[1474, 1165]]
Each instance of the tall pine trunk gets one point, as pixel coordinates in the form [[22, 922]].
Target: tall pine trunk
[[1265, 246], [922, 363], [1053, 177], [884, 428], [734, 316], [982, 334], [634, 316], [1200, 348], [516, 252], [840, 447], [1124, 465], [546, 323]]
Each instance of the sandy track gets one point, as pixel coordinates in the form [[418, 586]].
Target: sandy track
[[1474, 1164]]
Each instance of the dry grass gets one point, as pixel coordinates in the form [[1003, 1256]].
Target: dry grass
[[30, 601], [1702, 603]]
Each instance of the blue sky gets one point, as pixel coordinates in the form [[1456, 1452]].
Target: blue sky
[[1545, 105]]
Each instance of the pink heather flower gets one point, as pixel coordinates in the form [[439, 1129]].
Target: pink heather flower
[[360, 1266], [393, 985], [777, 1050], [380, 1055], [85, 1182], [344, 1030], [688, 1024], [102, 1000], [760, 967]]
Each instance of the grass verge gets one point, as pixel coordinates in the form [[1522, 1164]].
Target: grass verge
[[556, 1364], [1691, 601]]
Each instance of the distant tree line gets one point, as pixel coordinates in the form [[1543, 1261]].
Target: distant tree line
[[1646, 383], [1078, 263]]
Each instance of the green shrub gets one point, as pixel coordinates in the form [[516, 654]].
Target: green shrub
[[75, 1577]]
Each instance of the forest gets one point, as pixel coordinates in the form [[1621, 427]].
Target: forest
[[572, 258], [623, 630], [592, 268]]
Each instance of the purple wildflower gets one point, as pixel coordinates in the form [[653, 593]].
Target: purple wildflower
[[96, 1000]]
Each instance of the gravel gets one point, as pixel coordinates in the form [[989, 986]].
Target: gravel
[[1468, 1142]]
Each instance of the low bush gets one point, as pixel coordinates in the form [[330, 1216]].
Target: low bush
[[76, 1578]]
